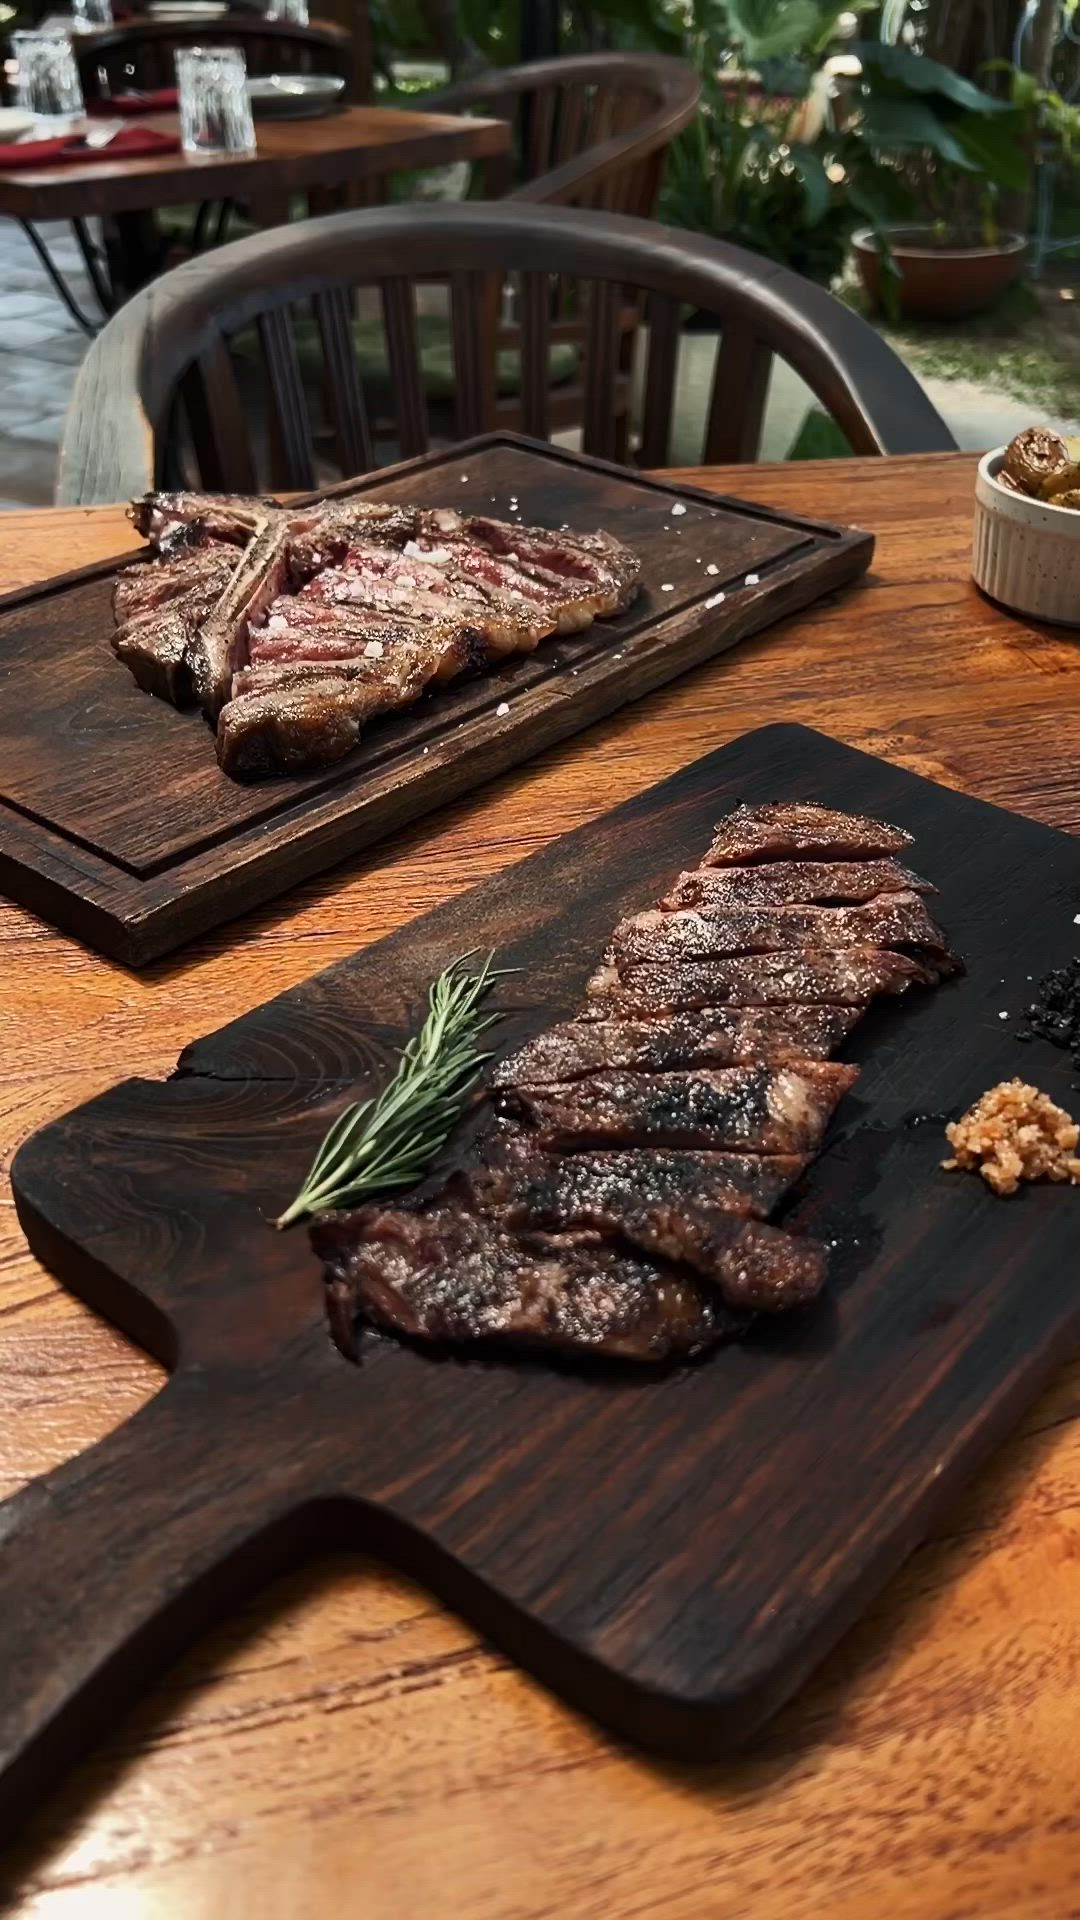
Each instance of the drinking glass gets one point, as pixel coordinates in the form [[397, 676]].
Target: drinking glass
[[47, 81], [215, 112], [294, 10], [89, 15]]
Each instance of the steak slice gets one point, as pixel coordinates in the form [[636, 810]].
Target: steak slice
[[713, 1037], [786, 883], [607, 569], [799, 830], [656, 938], [165, 609], [748, 1109], [226, 516], [851, 978], [444, 1273], [381, 578], [295, 714], [702, 1210]]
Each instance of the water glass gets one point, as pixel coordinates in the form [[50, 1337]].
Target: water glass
[[90, 15], [294, 10], [47, 80], [215, 111]]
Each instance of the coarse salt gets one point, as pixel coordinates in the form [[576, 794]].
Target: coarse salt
[[464, 477], [1003, 1015], [667, 586], [711, 569], [677, 509], [1076, 923], [374, 650], [277, 623], [503, 707], [752, 579], [715, 599]]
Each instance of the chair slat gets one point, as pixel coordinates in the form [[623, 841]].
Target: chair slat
[[474, 299], [659, 403], [601, 435], [571, 123], [217, 422], [399, 321], [535, 308], [739, 392], [345, 400], [292, 456], [541, 132]]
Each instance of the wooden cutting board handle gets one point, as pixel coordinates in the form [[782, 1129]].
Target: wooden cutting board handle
[[110, 1564]]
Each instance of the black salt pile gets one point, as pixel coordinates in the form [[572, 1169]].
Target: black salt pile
[[1055, 1013]]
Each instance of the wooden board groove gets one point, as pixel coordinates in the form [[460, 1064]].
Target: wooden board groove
[[673, 1554], [116, 823]]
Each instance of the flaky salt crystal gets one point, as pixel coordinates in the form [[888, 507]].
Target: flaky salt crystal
[[677, 509], [374, 650], [503, 707], [711, 569]]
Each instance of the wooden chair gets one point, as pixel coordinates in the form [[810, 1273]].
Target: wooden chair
[[163, 367], [590, 131], [140, 55]]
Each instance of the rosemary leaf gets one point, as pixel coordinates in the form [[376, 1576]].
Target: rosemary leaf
[[391, 1140]]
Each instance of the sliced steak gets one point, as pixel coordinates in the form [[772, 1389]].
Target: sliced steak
[[657, 938], [787, 883], [799, 830], [702, 1210], [158, 639], [445, 1273], [291, 715], [713, 1037], [610, 572], [851, 978], [747, 1109], [226, 516]]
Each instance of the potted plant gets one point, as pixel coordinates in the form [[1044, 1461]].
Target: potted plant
[[959, 148]]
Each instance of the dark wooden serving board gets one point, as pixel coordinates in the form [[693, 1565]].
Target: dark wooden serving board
[[116, 823], [673, 1553]]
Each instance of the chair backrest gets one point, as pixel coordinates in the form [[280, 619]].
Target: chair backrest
[[175, 341], [140, 54], [590, 131]]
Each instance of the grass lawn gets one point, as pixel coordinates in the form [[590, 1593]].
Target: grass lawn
[[1027, 345]]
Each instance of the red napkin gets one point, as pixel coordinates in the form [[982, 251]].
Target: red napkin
[[131, 143], [163, 101]]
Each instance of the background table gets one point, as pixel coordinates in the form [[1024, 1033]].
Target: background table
[[344, 1746], [357, 146]]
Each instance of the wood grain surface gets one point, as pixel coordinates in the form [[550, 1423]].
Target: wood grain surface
[[79, 844], [360, 143], [674, 1551], [344, 1743]]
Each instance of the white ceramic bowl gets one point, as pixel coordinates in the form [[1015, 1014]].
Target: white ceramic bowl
[[1026, 552]]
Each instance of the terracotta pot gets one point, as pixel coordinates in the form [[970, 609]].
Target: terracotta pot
[[940, 282]]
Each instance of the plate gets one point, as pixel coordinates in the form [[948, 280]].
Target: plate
[[295, 96], [14, 123]]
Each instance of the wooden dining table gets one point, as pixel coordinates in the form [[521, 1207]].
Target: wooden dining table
[[354, 149], [343, 1744]]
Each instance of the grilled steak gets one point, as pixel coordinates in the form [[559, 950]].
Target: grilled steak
[[416, 595], [619, 1203], [445, 1273], [657, 938], [789, 883], [702, 1209], [800, 831], [735, 1109], [850, 978], [713, 1037]]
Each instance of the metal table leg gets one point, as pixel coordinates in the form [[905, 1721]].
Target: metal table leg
[[59, 283]]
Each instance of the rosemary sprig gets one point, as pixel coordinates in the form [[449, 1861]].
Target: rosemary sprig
[[391, 1141]]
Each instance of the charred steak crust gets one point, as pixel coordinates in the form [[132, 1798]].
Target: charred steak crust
[[402, 597], [618, 1206]]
